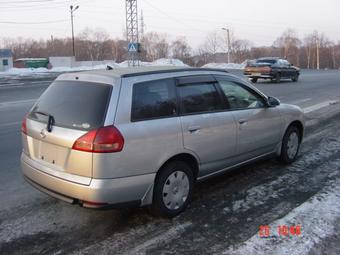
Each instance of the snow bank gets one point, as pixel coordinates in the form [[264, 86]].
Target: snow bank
[[158, 62], [42, 71], [225, 65], [168, 62]]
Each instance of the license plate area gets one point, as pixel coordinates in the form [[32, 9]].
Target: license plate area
[[51, 153], [256, 74]]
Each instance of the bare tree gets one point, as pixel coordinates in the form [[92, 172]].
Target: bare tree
[[211, 45], [180, 49], [289, 43], [241, 50], [154, 46]]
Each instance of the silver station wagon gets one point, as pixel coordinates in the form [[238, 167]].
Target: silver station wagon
[[144, 136]]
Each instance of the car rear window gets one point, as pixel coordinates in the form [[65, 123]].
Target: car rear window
[[269, 61], [73, 104]]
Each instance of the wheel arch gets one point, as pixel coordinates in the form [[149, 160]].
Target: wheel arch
[[188, 158], [184, 156], [298, 124]]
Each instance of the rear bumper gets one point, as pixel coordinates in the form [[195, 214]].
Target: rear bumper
[[99, 193], [261, 76]]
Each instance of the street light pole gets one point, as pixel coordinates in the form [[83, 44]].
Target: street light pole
[[228, 40], [72, 10]]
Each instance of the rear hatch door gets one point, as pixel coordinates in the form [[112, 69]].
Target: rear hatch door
[[75, 107]]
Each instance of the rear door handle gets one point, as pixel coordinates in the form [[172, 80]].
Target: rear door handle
[[194, 129], [242, 121]]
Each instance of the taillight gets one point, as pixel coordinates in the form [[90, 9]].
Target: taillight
[[24, 126], [102, 140]]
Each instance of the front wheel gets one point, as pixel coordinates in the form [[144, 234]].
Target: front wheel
[[290, 145], [295, 78], [278, 78], [173, 189]]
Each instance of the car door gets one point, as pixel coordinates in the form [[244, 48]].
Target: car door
[[208, 129], [290, 69], [283, 68], [258, 126]]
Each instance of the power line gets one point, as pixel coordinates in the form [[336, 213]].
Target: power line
[[26, 2], [34, 23]]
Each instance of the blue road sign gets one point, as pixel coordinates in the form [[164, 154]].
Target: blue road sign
[[133, 47]]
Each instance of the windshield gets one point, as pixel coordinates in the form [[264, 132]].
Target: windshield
[[73, 104]]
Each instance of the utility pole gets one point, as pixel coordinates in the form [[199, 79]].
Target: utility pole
[[72, 10], [317, 53], [132, 35], [228, 41], [142, 24], [333, 57]]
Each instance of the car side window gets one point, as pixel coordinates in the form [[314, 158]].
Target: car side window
[[239, 97], [153, 99], [286, 63], [199, 98]]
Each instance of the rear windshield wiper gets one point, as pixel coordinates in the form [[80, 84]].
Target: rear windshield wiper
[[50, 121]]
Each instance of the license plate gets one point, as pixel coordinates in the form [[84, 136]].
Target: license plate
[[256, 74]]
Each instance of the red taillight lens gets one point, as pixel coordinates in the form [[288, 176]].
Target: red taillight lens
[[103, 140], [24, 126]]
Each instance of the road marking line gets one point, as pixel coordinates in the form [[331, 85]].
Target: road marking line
[[37, 82], [9, 103], [10, 124], [12, 84], [318, 106], [300, 101]]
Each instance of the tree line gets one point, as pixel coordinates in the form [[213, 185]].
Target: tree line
[[312, 51]]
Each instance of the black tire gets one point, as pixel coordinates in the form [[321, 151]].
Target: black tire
[[158, 206], [295, 78], [253, 80], [278, 78], [286, 157]]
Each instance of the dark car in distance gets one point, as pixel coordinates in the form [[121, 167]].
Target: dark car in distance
[[271, 68]]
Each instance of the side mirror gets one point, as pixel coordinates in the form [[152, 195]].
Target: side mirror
[[272, 102]]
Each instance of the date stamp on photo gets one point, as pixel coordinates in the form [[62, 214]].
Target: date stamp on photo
[[281, 230]]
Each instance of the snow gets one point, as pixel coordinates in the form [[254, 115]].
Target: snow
[[42, 71], [313, 227], [225, 65], [158, 62]]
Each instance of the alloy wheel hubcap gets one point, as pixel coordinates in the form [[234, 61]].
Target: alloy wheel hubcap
[[292, 145], [175, 190]]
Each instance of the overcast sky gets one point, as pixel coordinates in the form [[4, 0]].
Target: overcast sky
[[260, 21]]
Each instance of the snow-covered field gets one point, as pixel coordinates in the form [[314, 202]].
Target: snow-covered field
[[225, 65], [158, 62]]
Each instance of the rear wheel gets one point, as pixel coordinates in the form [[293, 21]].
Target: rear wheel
[[295, 78], [254, 80], [278, 78], [173, 189], [290, 145]]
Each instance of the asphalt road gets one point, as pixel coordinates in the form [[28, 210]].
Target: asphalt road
[[226, 212]]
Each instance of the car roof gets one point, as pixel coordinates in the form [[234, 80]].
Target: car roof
[[272, 58], [123, 72]]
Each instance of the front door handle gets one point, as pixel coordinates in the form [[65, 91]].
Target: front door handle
[[194, 129], [242, 121]]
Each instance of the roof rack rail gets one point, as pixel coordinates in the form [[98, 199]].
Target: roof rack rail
[[173, 71]]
